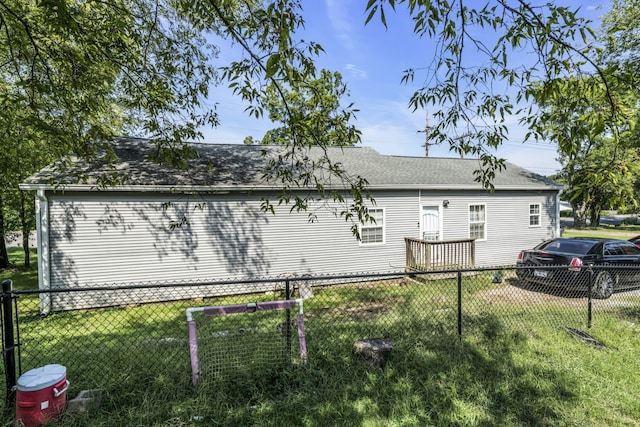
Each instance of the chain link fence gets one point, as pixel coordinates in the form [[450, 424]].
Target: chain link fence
[[133, 342]]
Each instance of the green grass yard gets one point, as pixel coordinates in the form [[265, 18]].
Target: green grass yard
[[23, 278], [620, 232], [515, 365]]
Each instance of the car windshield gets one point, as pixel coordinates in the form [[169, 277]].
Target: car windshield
[[568, 246]]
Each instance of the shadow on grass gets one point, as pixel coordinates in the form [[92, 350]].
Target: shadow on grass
[[438, 380], [430, 379]]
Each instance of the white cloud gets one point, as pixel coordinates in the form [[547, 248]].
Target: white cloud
[[355, 72], [341, 21]]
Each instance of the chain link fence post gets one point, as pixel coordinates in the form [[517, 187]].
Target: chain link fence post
[[589, 298], [8, 343], [460, 304]]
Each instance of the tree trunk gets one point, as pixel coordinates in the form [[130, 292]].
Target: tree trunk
[[4, 256], [595, 220], [26, 231], [579, 217]]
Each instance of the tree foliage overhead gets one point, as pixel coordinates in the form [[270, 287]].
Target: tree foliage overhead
[[483, 59], [598, 145], [315, 110], [620, 54], [84, 70], [620, 31]]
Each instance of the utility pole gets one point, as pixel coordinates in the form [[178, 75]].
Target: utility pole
[[426, 135], [463, 136]]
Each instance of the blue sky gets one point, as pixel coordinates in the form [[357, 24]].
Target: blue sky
[[371, 60]]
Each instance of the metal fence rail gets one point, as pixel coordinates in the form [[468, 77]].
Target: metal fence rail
[[131, 348]]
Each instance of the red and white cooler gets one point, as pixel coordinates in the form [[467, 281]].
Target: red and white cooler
[[41, 395]]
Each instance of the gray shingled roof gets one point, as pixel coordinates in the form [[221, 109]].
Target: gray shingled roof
[[225, 166]]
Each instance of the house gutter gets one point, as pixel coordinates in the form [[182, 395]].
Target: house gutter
[[558, 228], [44, 254], [224, 189]]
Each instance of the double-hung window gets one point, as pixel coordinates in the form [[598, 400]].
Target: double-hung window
[[534, 215], [477, 222], [373, 232]]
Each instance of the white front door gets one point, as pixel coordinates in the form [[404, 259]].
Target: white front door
[[430, 223]]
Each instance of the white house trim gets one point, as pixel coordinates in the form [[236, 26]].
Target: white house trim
[[42, 241]]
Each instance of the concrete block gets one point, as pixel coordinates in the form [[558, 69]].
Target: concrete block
[[373, 351], [86, 401]]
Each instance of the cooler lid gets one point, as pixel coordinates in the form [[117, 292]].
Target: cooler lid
[[40, 378]]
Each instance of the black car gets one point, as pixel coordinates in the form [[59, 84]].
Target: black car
[[576, 253]]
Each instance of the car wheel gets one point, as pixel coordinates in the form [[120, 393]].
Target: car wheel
[[602, 285]]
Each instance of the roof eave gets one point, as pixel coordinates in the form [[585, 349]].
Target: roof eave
[[466, 187], [144, 188], [248, 188]]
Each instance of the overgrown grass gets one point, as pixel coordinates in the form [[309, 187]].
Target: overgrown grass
[[514, 365], [494, 377]]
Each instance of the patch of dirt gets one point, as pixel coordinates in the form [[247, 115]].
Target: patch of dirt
[[533, 295], [367, 310], [360, 311], [526, 296]]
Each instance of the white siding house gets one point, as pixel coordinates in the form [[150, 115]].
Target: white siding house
[[124, 234]]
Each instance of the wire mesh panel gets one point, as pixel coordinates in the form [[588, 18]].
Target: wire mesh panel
[[250, 339], [499, 303], [450, 330]]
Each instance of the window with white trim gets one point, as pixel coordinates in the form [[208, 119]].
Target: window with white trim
[[373, 232], [534, 215], [477, 222]]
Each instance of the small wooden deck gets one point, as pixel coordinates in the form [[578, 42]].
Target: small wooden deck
[[430, 255]]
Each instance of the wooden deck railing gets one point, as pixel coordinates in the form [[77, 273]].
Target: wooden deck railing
[[426, 255]]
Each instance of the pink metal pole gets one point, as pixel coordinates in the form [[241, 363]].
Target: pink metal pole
[[193, 352]]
